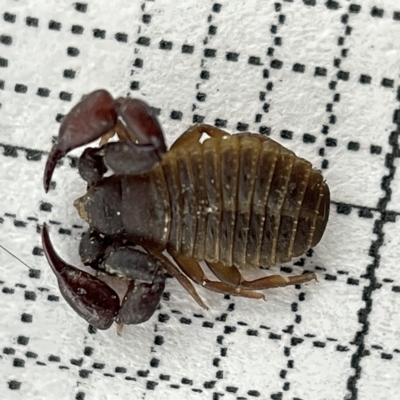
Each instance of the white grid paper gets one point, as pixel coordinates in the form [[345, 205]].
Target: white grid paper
[[322, 78]]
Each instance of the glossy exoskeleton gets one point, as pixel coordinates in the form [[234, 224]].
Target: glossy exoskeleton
[[234, 201]]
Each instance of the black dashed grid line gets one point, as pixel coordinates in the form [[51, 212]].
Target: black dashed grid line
[[375, 247], [39, 252], [208, 53], [340, 209], [98, 34], [275, 64], [57, 25], [201, 96], [138, 62], [363, 79], [340, 76]]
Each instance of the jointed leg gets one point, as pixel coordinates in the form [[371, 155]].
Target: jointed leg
[[193, 270], [233, 277], [174, 271], [193, 134]]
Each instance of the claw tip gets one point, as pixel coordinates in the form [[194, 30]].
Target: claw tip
[[54, 155]]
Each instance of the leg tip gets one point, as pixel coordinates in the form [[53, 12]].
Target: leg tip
[[120, 328]]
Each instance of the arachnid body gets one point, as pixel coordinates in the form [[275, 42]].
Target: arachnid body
[[234, 201]]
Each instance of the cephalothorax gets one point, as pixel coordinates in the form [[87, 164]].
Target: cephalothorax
[[234, 201]]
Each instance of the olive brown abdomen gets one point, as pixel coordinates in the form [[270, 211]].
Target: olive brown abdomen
[[244, 200]]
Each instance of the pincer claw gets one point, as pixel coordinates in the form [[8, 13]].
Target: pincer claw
[[87, 121], [91, 298]]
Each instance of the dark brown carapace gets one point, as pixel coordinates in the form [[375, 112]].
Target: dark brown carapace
[[234, 201]]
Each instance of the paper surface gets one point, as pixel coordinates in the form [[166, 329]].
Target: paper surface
[[320, 77]]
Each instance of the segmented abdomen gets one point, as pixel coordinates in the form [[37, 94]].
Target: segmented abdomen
[[244, 200]]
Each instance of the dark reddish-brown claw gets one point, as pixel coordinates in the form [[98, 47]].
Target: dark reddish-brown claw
[[90, 297], [141, 301], [87, 121], [142, 123]]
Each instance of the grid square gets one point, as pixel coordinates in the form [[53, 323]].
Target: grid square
[[306, 30], [332, 370], [379, 378], [369, 50]]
